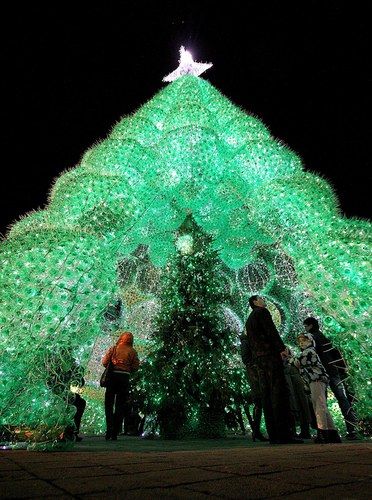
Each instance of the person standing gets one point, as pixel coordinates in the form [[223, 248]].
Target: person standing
[[299, 403], [79, 404], [255, 395], [65, 377], [315, 374], [124, 359], [268, 351], [333, 361]]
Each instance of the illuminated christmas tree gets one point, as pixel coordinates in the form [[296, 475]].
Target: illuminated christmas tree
[[277, 228], [191, 372]]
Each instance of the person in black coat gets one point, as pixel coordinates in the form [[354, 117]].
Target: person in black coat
[[300, 406], [335, 366], [255, 394], [268, 350]]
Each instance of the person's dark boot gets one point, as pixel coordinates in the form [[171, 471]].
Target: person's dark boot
[[289, 440], [260, 436], [333, 436], [256, 431], [320, 436], [304, 434], [352, 436]]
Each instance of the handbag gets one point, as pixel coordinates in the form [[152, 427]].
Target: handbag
[[106, 375]]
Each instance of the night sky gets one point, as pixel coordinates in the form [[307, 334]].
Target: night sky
[[69, 74]]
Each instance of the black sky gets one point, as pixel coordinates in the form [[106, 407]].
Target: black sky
[[70, 73]]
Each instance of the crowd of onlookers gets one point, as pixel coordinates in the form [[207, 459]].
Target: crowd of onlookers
[[288, 390]]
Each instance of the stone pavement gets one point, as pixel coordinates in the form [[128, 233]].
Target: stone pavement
[[229, 468]]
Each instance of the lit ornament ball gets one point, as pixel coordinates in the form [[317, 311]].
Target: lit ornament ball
[[185, 244]]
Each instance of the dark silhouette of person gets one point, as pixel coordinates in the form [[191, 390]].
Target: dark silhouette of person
[[268, 351], [299, 402], [255, 394], [64, 371], [80, 404]]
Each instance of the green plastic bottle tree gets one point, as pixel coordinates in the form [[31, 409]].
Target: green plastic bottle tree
[[187, 150]]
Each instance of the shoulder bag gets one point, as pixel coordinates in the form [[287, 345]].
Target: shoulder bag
[[107, 372]]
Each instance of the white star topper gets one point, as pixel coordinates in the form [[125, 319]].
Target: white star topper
[[187, 67]]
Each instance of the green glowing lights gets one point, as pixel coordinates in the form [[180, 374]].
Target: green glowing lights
[[189, 150]]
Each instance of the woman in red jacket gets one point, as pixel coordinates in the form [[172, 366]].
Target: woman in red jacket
[[124, 359]]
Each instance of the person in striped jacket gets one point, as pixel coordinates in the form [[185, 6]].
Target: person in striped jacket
[[336, 369]]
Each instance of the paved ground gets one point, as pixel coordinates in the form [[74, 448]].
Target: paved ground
[[230, 468]]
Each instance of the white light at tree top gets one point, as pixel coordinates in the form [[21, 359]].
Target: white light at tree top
[[187, 66]]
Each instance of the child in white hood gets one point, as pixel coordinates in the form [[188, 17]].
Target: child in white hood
[[314, 373]]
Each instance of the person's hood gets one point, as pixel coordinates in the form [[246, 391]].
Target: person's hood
[[310, 337], [125, 338]]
